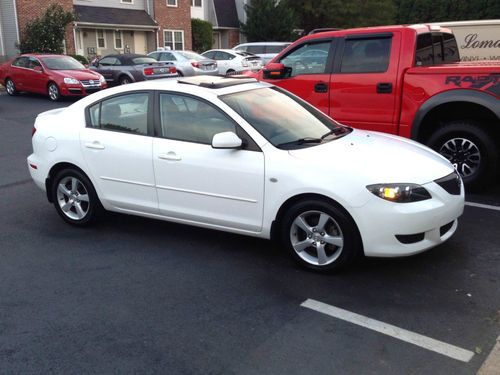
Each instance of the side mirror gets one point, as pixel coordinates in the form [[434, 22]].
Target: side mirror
[[274, 71], [226, 140], [38, 69]]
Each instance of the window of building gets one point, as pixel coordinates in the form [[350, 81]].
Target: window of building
[[196, 3], [191, 120], [118, 40], [125, 113], [366, 55], [101, 38], [127, 1], [174, 39], [171, 3]]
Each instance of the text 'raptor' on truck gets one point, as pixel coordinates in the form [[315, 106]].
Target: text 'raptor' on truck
[[404, 80]]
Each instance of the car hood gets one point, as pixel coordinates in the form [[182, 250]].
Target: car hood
[[78, 74], [378, 157]]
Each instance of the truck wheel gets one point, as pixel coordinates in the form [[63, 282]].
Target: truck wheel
[[470, 149]]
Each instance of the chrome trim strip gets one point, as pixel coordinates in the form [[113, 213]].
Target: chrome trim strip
[[207, 194], [126, 181]]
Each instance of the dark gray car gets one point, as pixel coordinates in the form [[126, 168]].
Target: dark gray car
[[128, 68]]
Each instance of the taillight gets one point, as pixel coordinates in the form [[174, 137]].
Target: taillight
[[148, 71], [196, 64], [33, 131], [172, 69]]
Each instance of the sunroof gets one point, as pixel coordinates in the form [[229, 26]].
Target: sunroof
[[215, 82]]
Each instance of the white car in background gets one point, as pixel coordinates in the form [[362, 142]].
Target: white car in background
[[230, 61], [246, 157], [265, 50], [187, 63]]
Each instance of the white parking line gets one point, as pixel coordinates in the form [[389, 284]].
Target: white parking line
[[480, 205], [390, 330]]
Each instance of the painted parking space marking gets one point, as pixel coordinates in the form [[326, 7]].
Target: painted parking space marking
[[387, 329], [480, 205]]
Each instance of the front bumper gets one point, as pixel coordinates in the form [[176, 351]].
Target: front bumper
[[79, 90], [399, 229]]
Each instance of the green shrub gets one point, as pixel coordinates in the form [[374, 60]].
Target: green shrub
[[81, 59], [202, 35]]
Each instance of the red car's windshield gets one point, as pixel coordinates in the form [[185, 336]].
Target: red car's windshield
[[61, 63]]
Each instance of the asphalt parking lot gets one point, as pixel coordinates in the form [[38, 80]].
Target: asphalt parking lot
[[132, 295]]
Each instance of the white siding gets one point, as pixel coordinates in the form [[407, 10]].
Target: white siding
[[136, 4], [8, 24]]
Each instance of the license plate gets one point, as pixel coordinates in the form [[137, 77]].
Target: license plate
[[161, 70]]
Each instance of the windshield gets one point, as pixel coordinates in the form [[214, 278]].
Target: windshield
[[191, 55], [284, 120], [143, 60], [62, 63]]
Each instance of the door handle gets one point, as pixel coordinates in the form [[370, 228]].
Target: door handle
[[320, 87], [172, 156], [384, 88], [96, 145]]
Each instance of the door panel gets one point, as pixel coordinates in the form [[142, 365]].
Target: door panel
[[220, 187], [364, 92]]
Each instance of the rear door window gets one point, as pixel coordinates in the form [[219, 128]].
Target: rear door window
[[370, 55], [21, 62]]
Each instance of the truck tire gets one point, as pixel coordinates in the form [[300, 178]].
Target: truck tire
[[470, 149]]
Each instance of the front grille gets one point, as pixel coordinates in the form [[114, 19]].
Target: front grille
[[410, 238], [91, 83], [445, 228], [451, 183]]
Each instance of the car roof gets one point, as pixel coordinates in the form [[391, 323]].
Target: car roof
[[232, 51], [263, 44], [201, 86]]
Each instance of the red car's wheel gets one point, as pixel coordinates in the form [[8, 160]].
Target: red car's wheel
[[10, 87], [53, 91]]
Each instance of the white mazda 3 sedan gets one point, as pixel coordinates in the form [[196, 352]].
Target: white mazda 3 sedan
[[245, 157]]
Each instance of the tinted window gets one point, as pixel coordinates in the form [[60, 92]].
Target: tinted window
[[366, 55], [424, 54], [309, 58], [62, 63], [209, 55], [255, 49], [21, 62], [143, 60], [154, 55], [33, 63], [187, 119], [450, 48], [274, 49], [223, 56], [109, 61], [126, 113], [167, 56]]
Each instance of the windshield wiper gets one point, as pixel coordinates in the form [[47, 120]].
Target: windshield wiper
[[302, 141], [335, 131]]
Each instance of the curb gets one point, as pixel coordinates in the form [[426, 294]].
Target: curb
[[492, 364]]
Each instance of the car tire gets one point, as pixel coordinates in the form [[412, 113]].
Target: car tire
[[470, 148], [53, 92], [230, 72], [75, 198], [10, 87], [179, 73], [320, 236], [124, 80]]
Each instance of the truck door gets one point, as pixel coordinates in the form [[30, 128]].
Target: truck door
[[364, 85], [309, 68]]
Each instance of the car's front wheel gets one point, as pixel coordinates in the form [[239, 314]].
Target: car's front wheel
[[320, 236], [53, 91], [10, 87], [124, 80], [74, 197]]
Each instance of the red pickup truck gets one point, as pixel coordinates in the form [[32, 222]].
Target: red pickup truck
[[404, 80]]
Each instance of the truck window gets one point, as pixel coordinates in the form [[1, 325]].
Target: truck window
[[436, 48], [366, 55], [309, 58]]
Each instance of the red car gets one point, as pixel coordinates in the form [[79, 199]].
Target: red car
[[54, 75]]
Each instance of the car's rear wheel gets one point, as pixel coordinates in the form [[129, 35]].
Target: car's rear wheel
[[230, 72], [320, 236], [74, 197], [124, 80], [10, 87], [179, 73], [470, 149], [53, 91]]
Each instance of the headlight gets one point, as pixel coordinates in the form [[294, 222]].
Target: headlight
[[400, 193], [71, 81], [102, 79]]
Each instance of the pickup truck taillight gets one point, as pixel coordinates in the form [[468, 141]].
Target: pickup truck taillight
[[148, 71]]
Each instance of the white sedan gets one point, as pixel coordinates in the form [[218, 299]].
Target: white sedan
[[231, 62], [246, 157]]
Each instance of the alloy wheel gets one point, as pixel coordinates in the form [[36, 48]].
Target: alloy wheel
[[11, 89], [463, 154], [316, 237], [53, 92], [73, 198]]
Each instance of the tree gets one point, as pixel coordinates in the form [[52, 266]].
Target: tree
[[202, 35], [423, 11], [316, 14], [46, 33], [269, 20]]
